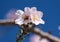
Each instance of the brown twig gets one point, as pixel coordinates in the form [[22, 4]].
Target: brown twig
[[45, 35], [7, 22], [41, 33]]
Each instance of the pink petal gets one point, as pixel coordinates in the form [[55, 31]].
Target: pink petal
[[11, 14], [35, 38]]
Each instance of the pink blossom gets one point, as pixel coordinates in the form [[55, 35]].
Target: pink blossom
[[11, 14], [35, 38], [29, 15]]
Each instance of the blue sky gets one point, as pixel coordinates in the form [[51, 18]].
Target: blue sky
[[50, 8]]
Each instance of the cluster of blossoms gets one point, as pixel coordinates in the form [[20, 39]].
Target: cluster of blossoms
[[29, 15]]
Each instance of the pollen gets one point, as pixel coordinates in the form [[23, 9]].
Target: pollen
[[35, 17]]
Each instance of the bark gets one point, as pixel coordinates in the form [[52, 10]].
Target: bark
[[7, 22], [41, 33]]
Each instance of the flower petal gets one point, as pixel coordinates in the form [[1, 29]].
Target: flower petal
[[19, 12], [40, 14], [19, 21], [33, 9], [42, 22], [36, 22], [35, 38], [44, 40], [27, 9]]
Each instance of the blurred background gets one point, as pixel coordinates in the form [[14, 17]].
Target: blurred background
[[50, 8]]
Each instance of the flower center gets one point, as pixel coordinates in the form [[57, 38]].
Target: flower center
[[35, 17], [26, 17]]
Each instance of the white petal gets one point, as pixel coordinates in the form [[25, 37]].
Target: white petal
[[41, 21], [18, 21], [33, 9], [44, 40], [40, 14], [35, 38], [37, 22], [26, 21], [19, 12], [27, 9]]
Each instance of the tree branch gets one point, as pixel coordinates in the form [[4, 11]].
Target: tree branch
[[7, 22], [41, 33], [45, 35]]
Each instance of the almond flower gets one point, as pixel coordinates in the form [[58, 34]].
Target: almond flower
[[35, 38], [11, 14], [19, 19], [36, 16], [29, 15]]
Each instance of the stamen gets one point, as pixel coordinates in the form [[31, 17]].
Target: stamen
[[35, 17], [26, 17]]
